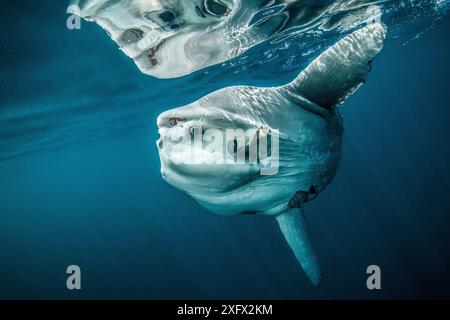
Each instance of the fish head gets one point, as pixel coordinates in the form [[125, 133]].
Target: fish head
[[166, 39], [204, 148]]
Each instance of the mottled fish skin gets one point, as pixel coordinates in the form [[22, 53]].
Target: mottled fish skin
[[306, 114]]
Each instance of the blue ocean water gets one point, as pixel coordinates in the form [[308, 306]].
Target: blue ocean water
[[80, 181]]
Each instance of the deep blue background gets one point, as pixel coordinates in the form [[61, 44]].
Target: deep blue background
[[80, 181]]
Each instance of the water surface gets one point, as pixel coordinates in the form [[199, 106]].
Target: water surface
[[80, 181]]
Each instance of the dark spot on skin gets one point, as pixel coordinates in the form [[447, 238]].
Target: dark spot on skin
[[153, 61], [151, 53], [301, 197], [250, 212], [131, 35], [298, 199]]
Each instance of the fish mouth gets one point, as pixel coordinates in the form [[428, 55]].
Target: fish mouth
[[200, 174], [177, 134], [181, 149], [191, 166]]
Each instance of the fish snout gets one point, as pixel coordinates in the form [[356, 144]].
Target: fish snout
[[170, 119], [172, 129]]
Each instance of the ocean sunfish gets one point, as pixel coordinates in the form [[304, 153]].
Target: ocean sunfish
[[295, 167], [172, 38]]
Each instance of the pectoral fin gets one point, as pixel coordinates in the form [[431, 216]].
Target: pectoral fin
[[295, 230]]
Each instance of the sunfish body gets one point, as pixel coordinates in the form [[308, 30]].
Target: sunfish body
[[172, 38], [304, 117]]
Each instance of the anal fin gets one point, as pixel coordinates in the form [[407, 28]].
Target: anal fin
[[295, 230]]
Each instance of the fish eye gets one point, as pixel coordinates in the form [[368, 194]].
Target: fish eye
[[216, 8], [167, 15], [131, 35], [167, 19], [194, 130]]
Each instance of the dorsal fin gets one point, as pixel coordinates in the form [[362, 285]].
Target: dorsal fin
[[339, 71]]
